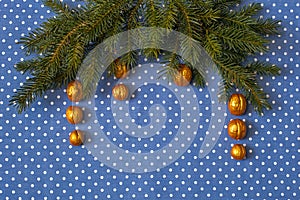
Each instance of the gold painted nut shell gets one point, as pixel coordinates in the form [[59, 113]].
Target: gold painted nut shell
[[238, 152], [183, 76], [74, 114], [76, 138], [120, 92], [237, 129], [237, 104], [75, 91]]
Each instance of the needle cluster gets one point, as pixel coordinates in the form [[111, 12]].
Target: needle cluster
[[229, 32]]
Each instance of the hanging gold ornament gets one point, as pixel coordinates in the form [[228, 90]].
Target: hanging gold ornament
[[183, 76], [74, 114], [237, 129], [120, 92], [238, 152], [76, 137], [120, 69], [237, 104], [74, 91]]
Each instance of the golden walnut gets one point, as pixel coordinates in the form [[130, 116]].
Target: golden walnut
[[238, 152], [74, 91], [76, 137], [237, 129], [120, 92], [74, 114], [237, 104], [183, 76], [120, 70]]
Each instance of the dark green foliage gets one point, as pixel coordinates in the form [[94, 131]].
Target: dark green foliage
[[229, 33]]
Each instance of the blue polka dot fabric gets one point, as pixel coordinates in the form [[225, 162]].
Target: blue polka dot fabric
[[38, 162]]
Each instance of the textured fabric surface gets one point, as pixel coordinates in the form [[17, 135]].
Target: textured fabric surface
[[37, 161]]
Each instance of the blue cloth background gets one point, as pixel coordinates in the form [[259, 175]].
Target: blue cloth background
[[37, 161]]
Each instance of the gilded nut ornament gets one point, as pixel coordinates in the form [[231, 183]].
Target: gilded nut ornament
[[237, 129], [75, 91], [120, 70], [238, 152], [74, 114], [183, 76], [237, 104], [76, 137], [120, 92]]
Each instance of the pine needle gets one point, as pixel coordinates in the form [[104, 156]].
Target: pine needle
[[228, 32]]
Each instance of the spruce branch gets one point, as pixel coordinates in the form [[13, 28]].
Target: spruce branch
[[266, 27], [153, 18], [225, 3], [134, 14], [32, 89], [239, 40], [263, 69], [170, 13], [228, 32], [59, 7]]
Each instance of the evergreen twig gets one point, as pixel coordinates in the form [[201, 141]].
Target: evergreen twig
[[229, 33]]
